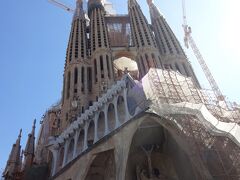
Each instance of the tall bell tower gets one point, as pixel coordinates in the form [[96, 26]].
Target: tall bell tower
[[172, 54], [88, 68]]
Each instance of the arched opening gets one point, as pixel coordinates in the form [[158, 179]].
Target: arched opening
[[177, 67], [60, 158], [154, 60], [95, 71], [101, 67], [75, 76], [101, 125], [186, 70], [80, 142], [49, 160], [90, 134], [82, 79], [155, 154], [121, 109], [108, 66], [111, 117], [102, 167], [68, 84], [143, 66], [148, 62], [70, 150], [124, 65]]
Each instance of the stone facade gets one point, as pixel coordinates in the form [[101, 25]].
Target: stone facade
[[121, 122]]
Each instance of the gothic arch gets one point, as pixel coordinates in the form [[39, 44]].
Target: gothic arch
[[101, 125], [60, 158], [111, 117], [90, 133], [121, 109], [102, 167], [125, 54], [70, 150], [80, 141], [167, 153]]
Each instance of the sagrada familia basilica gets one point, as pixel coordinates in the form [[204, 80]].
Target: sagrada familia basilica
[[132, 108]]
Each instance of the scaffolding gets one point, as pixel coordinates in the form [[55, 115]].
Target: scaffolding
[[212, 156], [173, 87]]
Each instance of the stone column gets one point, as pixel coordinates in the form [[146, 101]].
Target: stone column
[[85, 146], [110, 67], [127, 115], [75, 143], [180, 65], [117, 124], [65, 153], [55, 158], [96, 127], [86, 83], [106, 119]]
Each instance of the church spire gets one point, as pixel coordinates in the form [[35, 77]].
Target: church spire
[[29, 149], [167, 42], [79, 12], [13, 163], [171, 51], [143, 38], [76, 59]]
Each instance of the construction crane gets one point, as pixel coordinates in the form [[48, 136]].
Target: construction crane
[[188, 40], [61, 5]]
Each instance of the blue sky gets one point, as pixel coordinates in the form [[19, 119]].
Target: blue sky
[[33, 41]]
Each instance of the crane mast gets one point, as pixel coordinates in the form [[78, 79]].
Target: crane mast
[[188, 40]]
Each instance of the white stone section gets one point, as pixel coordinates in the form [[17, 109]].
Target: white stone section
[[218, 128], [118, 90]]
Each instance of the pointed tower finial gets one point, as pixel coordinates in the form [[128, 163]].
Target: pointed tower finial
[[13, 162], [150, 2], [79, 12], [29, 149], [20, 134], [34, 123]]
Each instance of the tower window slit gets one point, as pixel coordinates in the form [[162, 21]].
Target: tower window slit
[[82, 89], [95, 71], [101, 67], [154, 60], [75, 76], [147, 60], [68, 84], [89, 78], [186, 70], [143, 66], [177, 67], [108, 66]]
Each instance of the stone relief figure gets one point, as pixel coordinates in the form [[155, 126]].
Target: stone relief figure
[[151, 173], [143, 175]]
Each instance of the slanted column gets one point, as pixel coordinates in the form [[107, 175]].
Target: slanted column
[[182, 69], [117, 124], [55, 160], [106, 119], [66, 146], [96, 127], [110, 67], [127, 115], [85, 146], [105, 68], [75, 143], [86, 82]]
